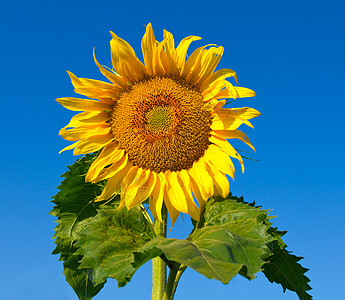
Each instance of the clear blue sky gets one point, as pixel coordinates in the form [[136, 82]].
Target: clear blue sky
[[290, 52]]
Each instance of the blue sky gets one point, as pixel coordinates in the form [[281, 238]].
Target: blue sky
[[290, 52]]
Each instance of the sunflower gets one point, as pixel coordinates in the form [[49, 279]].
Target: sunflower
[[161, 127]]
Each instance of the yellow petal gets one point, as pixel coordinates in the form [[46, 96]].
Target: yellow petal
[[88, 118], [243, 92], [115, 167], [100, 90], [202, 178], [222, 89], [156, 198], [198, 192], [140, 190], [173, 213], [181, 51], [227, 122], [179, 195], [204, 175], [219, 159], [233, 134], [114, 183], [158, 67], [92, 144], [183, 179], [220, 181], [69, 147], [175, 193], [169, 55], [85, 82], [148, 45], [209, 63], [123, 49], [241, 112], [125, 61], [166, 60], [75, 80], [77, 104], [232, 118], [220, 104], [170, 40], [96, 93], [117, 80], [216, 77], [227, 148], [212, 105], [133, 173], [83, 132], [193, 63], [109, 154]]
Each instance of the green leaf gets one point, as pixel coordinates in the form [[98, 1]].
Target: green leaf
[[231, 213], [231, 238], [198, 257], [108, 242], [74, 201], [80, 280], [283, 268], [247, 224], [73, 206]]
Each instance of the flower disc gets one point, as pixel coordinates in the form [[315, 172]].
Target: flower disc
[[162, 124]]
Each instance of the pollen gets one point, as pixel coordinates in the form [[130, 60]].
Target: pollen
[[162, 124]]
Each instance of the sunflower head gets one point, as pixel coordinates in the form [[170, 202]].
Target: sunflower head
[[161, 125]]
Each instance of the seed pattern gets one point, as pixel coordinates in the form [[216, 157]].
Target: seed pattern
[[159, 119], [162, 124]]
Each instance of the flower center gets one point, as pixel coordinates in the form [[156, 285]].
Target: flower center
[[162, 124], [159, 119]]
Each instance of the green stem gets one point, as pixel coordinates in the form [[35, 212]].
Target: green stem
[[177, 279], [173, 279], [171, 283], [159, 269]]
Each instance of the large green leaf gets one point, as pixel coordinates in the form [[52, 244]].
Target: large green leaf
[[212, 261], [232, 213], [231, 238], [283, 268], [73, 206], [80, 280], [246, 223], [108, 242], [75, 200]]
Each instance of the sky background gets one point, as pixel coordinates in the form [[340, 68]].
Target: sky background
[[290, 52]]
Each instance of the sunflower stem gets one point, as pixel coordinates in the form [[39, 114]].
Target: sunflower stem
[[168, 295], [180, 271], [175, 274], [159, 268]]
